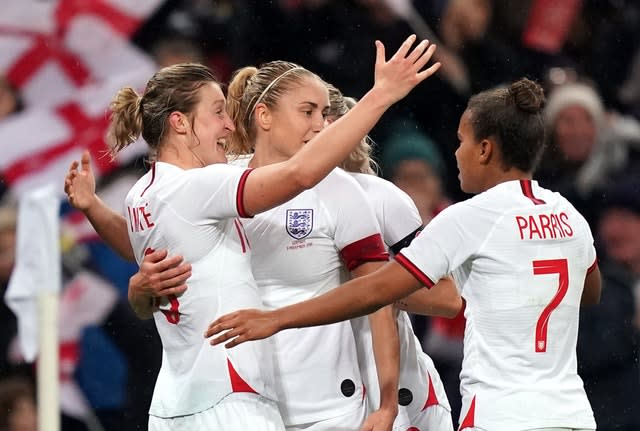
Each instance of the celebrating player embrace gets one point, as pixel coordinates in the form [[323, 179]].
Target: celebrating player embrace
[[522, 292]]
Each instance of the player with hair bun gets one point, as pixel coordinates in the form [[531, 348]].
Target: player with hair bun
[[522, 257]]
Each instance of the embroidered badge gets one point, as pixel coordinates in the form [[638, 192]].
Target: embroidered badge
[[299, 223]]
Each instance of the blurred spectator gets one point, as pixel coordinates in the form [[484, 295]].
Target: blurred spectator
[[610, 371], [413, 163], [587, 148], [629, 92], [209, 31], [176, 50], [17, 405], [615, 38], [575, 115]]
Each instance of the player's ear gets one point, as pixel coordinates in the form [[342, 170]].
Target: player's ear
[[178, 122], [263, 116], [486, 150]]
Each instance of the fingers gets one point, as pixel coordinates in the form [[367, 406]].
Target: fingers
[[71, 174], [73, 167], [169, 263], [220, 324], [170, 279], [425, 57], [235, 342], [428, 72], [404, 48], [380, 53], [177, 291], [156, 256], [418, 51], [67, 185], [86, 162], [232, 333]]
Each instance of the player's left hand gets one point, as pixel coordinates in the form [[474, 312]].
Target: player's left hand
[[241, 326], [380, 420], [80, 183]]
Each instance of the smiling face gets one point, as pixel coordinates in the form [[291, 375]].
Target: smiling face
[[467, 156], [298, 116], [211, 125]]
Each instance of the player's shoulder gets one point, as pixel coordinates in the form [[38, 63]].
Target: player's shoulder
[[337, 180], [375, 184], [150, 183]]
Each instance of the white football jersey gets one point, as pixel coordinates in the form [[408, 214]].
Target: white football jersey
[[300, 250], [520, 255], [194, 213], [420, 386]]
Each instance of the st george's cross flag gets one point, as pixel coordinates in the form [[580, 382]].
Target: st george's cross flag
[[67, 58]]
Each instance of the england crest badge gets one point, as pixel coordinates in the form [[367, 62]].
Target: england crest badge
[[299, 223]]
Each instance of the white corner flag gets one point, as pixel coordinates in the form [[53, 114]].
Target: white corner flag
[[38, 264]]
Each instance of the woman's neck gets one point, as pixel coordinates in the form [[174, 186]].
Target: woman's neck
[[266, 154], [180, 157], [512, 174]]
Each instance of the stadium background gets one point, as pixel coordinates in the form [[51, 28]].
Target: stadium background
[[62, 60]]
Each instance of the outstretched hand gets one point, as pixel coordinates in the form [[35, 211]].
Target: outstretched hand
[[398, 76], [241, 326], [80, 183]]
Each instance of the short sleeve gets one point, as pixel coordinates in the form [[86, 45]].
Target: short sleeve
[[357, 233], [442, 246], [401, 220], [215, 192], [592, 258]]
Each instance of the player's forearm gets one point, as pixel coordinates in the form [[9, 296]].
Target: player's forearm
[[386, 351], [442, 300], [141, 304], [348, 301], [358, 297], [111, 227]]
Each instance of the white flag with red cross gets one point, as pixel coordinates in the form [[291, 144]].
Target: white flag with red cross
[[50, 49], [67, 58]]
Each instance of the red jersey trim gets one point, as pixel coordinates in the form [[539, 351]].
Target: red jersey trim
[[470, 418], [432, 398], [369, 249], [239, 230], [414, 270], [238, 384], [527, 190], [593, 266], [240, 195], [153, 177]]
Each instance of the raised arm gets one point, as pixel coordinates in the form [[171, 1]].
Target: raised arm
[[80, 187], [272, 185]]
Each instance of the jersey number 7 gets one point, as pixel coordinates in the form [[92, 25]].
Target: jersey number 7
[[552, 266]]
